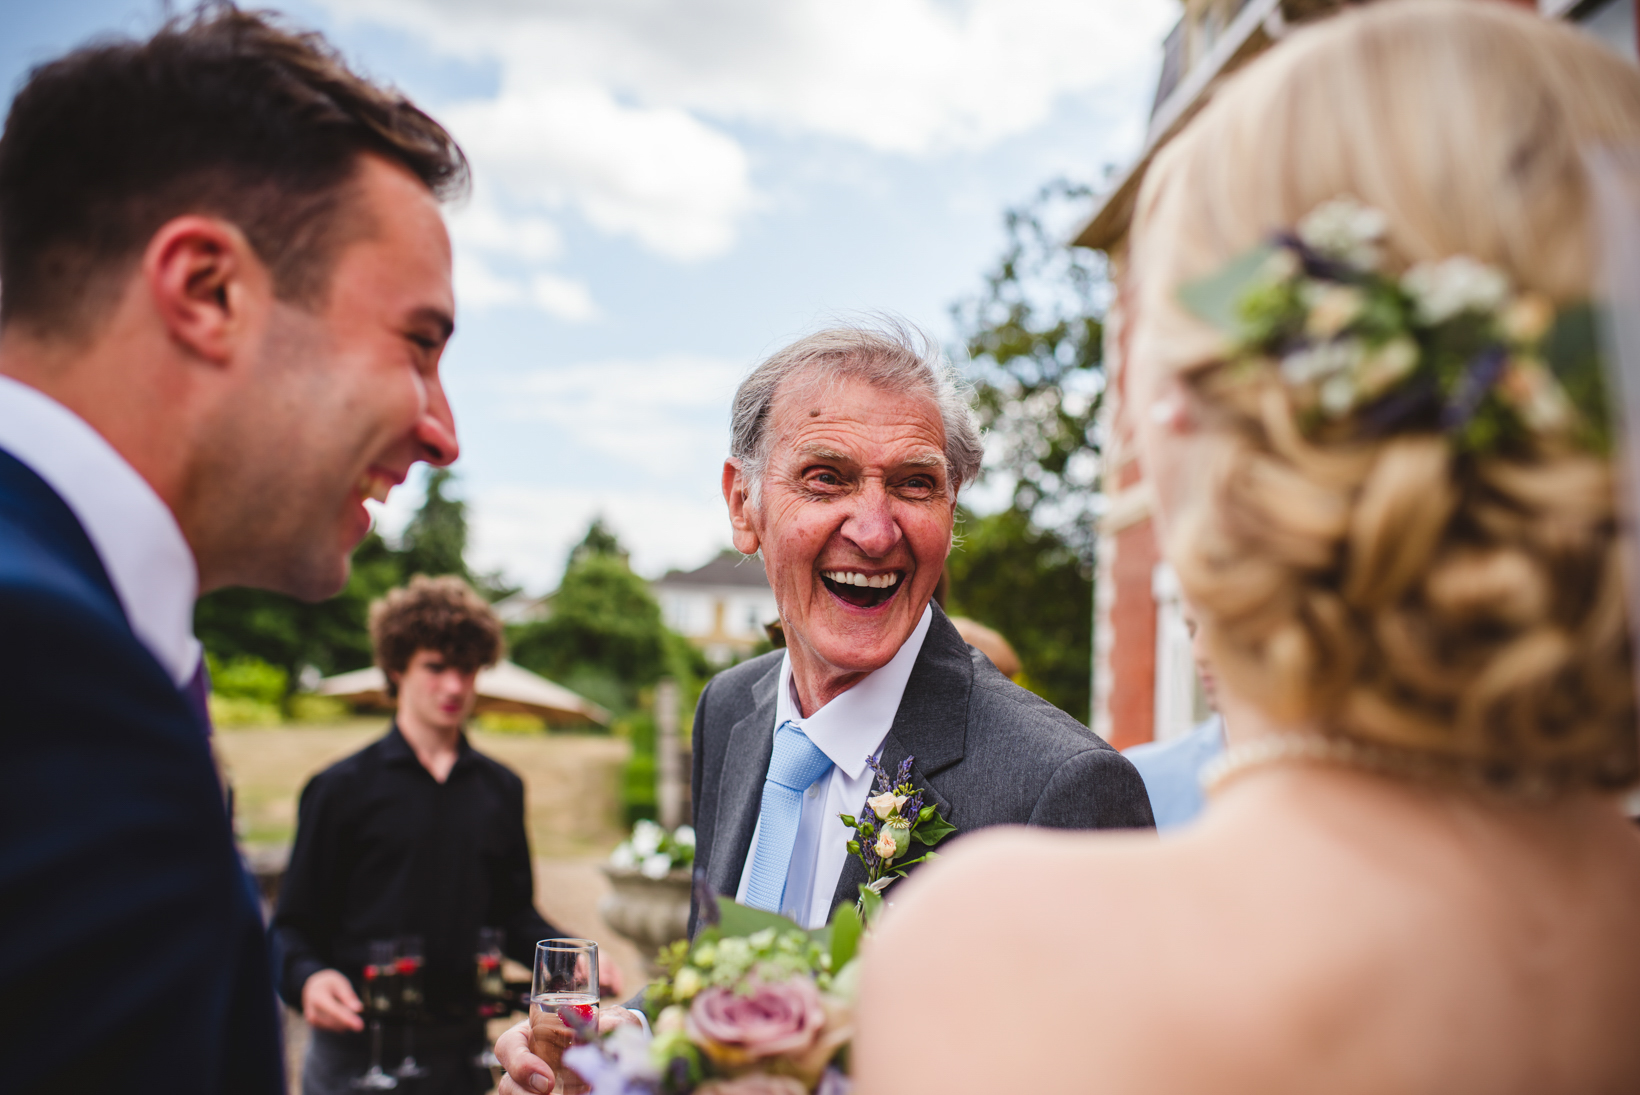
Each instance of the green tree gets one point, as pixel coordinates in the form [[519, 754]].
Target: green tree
[[1028, 584], [333, 635], [1034, 339], [599, 540], [604, 637], [435, 540]]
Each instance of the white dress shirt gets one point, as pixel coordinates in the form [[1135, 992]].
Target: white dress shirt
[[849, 730], [134, 532]]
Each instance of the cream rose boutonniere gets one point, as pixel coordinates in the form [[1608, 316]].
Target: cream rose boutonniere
[[883, 838]]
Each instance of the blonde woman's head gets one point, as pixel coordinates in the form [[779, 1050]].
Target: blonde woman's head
[[1465, 611]]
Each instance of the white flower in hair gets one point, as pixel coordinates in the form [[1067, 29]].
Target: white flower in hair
[[1346, 231], [1441, 290], [1320, 361]]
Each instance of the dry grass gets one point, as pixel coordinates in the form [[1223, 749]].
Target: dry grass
[[570, 779]]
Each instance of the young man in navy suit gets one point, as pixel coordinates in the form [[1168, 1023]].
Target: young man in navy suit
[[226, 292]]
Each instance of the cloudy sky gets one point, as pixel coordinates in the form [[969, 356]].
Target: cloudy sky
[[666, 190]]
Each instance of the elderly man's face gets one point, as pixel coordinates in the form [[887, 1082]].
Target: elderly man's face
[[854, 522]]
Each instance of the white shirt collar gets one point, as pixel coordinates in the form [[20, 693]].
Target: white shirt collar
[[851, 728], [135, 534]]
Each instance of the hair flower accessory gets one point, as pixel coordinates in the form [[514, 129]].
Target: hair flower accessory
[[1448, 346]]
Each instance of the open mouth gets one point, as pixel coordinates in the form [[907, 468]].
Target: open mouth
[[862, 590], [374, 484]]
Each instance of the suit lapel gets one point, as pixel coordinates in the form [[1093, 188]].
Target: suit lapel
[[930, 726], [740, 791]]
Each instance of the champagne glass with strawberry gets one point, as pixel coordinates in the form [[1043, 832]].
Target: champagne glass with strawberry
[[563, 1004]]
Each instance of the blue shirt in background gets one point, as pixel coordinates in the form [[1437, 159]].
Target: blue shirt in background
[[1172, 771]]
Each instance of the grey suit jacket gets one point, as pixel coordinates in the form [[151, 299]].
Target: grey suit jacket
[[987, 751]]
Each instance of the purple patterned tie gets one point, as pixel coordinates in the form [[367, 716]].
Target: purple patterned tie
[[197, 690]]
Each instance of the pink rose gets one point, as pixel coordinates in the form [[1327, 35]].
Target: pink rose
[[756, 1083], [776, 1019]]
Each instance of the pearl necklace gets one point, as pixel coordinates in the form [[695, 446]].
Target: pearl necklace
[[1288, 748]]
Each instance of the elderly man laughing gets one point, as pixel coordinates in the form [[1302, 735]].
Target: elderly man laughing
[[848, 449]]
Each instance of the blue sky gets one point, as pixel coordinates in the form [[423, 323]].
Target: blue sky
[[667, 191]]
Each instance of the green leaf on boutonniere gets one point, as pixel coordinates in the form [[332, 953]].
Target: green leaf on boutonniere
[[931, 830]]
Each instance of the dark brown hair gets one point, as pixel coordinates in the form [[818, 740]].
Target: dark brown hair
[[222, 112], [438, 614]]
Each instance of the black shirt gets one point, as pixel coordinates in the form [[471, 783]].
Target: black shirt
[[384, 850]]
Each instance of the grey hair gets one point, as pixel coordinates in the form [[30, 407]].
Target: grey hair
[[892, 355]]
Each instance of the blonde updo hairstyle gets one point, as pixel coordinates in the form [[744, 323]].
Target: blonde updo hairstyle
[[1465, 614]]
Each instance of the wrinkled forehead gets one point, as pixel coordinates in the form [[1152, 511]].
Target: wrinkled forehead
[[825, 399]]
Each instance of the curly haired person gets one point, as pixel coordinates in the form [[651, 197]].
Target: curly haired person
[[416, 835]]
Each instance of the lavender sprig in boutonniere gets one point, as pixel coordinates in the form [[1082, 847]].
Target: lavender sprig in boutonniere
[[883, 836]]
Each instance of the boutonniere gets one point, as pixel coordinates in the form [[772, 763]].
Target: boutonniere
[[895, 817]]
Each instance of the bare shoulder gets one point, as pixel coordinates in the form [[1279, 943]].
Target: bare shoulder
[[1018, 922]]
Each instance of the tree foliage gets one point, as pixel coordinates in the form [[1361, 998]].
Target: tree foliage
[[604, 637], [332, 636], [1034, 338], [435, 540], [1029, 585]]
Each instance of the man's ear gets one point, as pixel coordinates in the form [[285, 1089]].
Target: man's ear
[[207, 284], [740, 509]]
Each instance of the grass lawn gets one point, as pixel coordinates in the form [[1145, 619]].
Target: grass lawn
[[570, 780]]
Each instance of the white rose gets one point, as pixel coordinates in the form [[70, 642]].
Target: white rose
[[684, 835], [884, 805], [1345, 230], [657, 865], [624, 855], [1441, 290]]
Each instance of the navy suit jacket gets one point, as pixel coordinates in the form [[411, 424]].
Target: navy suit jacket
[[132, 953]]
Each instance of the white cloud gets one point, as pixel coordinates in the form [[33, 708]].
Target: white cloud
[[618, 108], [527, 530], [565, 298], [478, 224], [477, 286], [654, 173], [667, 416]]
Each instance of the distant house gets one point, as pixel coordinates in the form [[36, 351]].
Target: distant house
[[721, 607]]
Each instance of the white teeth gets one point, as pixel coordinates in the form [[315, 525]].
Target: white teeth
[[854, 578], [374, 486]]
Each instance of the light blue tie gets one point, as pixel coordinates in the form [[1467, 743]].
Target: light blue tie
[[793, 768]]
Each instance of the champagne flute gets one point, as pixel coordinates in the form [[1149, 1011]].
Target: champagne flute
[[492, 987], [565, 987], [380, 983], [412, 1001]]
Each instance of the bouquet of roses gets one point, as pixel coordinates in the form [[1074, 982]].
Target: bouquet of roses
[[755, 1005]]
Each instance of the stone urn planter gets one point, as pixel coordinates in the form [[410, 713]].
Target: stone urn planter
[[651, 912]]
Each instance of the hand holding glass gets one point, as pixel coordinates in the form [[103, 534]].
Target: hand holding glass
[[565, 986]]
